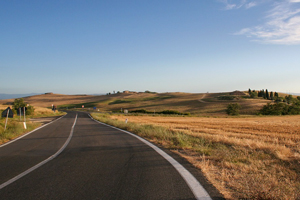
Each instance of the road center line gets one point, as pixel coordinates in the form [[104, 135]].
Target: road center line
[[43, 162], [197, 189]]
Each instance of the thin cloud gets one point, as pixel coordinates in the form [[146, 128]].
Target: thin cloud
[[250, 5], [282, 25], [237, 4]]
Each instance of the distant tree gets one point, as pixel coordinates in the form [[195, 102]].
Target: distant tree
[[274, 109], [30, 110], [276, 94], [271, 96], [226, 97], [261, 93], [249, 91], [289, 99], [280, 108], [298, 97], [267, 96], [294, 109], [139, 111], [233, 109], [278, 99], [18, 103]]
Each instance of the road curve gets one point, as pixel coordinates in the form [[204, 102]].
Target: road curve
[[100, 162]]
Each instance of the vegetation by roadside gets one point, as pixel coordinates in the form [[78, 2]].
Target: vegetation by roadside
[[14, 129], [15, 125], [252, 158]]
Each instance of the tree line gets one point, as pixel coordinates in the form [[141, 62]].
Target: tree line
[[264, 94], [287, 105]]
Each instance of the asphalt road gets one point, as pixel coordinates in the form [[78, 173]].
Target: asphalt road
[[99, 162]]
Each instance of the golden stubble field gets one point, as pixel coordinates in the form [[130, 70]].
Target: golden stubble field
[[255, 157]]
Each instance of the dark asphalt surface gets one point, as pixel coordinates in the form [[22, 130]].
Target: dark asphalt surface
[[99, 163]]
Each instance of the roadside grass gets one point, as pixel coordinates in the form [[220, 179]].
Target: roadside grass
[[161, 135], [15, 127], [251, 158], [45, 112]]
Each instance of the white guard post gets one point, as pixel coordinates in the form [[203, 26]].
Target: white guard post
[[24, 120]]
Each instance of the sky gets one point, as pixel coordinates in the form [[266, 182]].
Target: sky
[[196, 46]]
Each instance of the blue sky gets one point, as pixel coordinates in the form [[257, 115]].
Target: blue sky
[[93, 46]]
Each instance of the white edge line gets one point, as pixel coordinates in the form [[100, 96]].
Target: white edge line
[[43, 162], [7, 143], [197, 189]]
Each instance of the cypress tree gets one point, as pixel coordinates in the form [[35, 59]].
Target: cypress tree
[[267, 96], [259, 94], [271, 96], [263, 94]]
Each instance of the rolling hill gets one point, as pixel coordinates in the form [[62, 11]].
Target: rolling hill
[[195, 103]]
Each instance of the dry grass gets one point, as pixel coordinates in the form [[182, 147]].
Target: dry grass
[[255, 158], [45, 112], [3, 107], [15, 127]]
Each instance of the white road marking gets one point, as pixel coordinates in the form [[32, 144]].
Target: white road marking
[[29, 132], [197, 189], [43, 162]]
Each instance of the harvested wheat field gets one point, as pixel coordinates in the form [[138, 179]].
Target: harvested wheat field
[[254, 158]]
